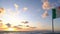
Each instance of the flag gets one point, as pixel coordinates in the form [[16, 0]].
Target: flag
[[56, 12]]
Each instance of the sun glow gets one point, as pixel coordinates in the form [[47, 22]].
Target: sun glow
[[10, 29], [12, 19]]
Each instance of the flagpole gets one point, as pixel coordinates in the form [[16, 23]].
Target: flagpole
[[52, 25]]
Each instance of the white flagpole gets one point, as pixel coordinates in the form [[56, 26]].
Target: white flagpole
[[52, 25], [53, 10]]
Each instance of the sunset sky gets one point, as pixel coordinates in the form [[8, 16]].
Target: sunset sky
[[37, 12]]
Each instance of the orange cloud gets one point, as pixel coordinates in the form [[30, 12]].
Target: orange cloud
[[46, 5], [2, 10], [25, 9]]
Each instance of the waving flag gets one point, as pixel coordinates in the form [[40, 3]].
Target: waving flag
[[56, 12]]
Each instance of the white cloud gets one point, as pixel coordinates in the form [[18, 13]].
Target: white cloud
[[53, 5], [11, 12], [9, 9], [45, 14], [16, 6], [46, 6]]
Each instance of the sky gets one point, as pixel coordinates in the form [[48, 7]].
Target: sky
[[37, 12]]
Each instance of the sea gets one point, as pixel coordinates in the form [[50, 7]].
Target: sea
[[26, 32]]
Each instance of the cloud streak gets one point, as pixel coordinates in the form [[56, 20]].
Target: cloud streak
[[16, 6], [25, 9]]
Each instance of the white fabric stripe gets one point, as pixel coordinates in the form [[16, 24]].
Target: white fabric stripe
[[57, 13]]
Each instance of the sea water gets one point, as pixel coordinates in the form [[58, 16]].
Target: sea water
[[26, 33]]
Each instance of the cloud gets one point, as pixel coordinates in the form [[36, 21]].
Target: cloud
[[24, 22], [2, 10], [46, 5], [11, 12], [53, 5], [33, 27], [45, 14], [25, 9], [8, 9], [16, 6], [27, 26], [8, 24], [44, 0]]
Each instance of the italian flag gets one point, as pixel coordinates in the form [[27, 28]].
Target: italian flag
[[56, 12]]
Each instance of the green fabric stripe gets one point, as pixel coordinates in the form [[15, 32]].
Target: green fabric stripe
[[53, 13]]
